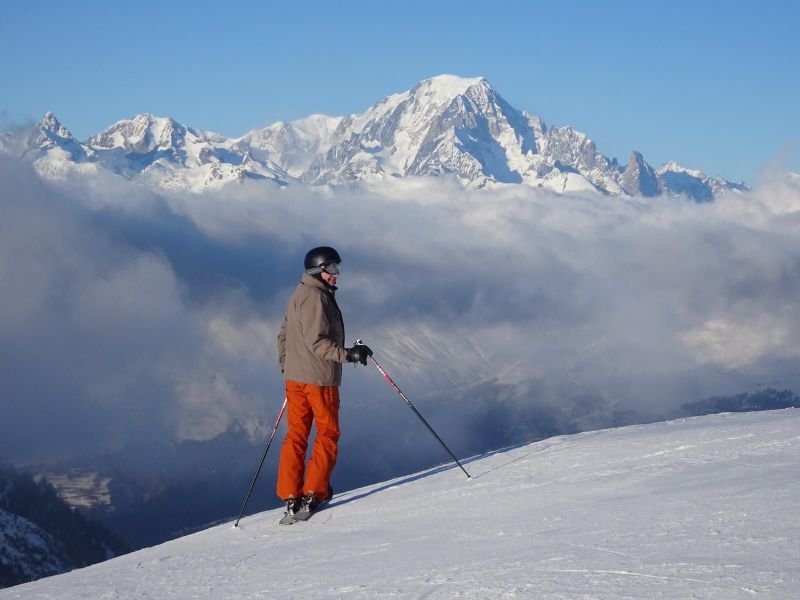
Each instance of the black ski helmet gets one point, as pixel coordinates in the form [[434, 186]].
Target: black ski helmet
[[318, 257]]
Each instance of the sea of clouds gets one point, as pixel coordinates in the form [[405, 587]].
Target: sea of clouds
[[505, 314]]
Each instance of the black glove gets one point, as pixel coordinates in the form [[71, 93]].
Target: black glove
[[358, 353]]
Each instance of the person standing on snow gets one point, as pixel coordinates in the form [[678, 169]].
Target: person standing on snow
[[311, 352]]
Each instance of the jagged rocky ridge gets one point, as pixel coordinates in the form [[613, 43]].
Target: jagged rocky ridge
[[446, 125]]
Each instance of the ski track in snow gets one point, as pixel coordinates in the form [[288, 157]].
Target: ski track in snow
[[695, 508]]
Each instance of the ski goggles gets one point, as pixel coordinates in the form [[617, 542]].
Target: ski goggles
[[330, 269]]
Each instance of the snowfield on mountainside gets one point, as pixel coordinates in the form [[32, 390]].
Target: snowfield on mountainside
[[694, 508]]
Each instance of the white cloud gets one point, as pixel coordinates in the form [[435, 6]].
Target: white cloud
[[741, 344], [157, 316]]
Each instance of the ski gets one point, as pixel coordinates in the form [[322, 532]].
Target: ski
[[293, 506], [306, 510], [288, 519]]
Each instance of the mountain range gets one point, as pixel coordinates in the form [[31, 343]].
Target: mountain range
[[445, 125]]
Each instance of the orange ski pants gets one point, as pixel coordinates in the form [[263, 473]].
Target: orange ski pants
[[307, 404]]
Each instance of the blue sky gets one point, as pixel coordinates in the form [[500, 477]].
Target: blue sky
[[713, 85]]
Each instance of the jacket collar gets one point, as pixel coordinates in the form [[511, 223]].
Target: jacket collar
[[317, 282]]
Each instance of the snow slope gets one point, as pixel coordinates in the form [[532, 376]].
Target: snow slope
[[695, 508], [27, 551]]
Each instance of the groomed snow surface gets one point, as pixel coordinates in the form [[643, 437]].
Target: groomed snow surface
[[696, 508]]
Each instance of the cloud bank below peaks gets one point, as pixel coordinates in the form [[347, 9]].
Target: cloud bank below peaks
[[129, 315]]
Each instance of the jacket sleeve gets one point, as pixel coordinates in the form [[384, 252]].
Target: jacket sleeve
[[317, 330], [282, 345]]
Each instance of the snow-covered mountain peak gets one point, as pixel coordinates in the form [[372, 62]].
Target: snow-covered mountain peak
[[671, 166], [694, 184], [292, 145], [441, 125], [674, 167], [425, 100], [50, 146], [317, 123], [443, 88], [142, 133], [434, 95], [51, 124]]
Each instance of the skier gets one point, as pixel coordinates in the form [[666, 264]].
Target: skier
[[311, 352]]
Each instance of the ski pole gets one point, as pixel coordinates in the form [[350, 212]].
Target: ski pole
[[261, 464], [416, 412]]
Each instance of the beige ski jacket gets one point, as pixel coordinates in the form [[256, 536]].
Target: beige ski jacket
[[311, 341]]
